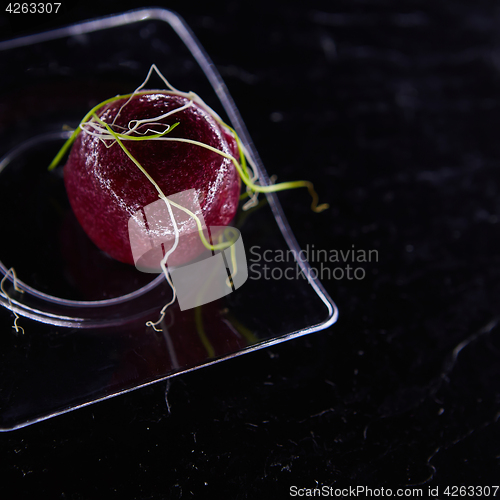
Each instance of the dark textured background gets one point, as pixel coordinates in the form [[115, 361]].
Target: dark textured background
[[392, 109]]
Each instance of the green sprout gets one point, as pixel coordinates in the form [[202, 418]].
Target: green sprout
[[93, 125]]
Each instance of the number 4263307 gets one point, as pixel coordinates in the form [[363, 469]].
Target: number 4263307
[[32, 8]]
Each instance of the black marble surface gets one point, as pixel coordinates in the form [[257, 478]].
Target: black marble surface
[[392, 109]]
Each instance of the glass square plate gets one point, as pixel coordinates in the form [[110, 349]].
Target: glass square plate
[[84, 314]]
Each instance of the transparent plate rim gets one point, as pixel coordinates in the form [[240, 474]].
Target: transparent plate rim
[[208, 68]]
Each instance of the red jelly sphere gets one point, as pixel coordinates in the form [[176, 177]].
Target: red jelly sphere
[[105, 188]]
